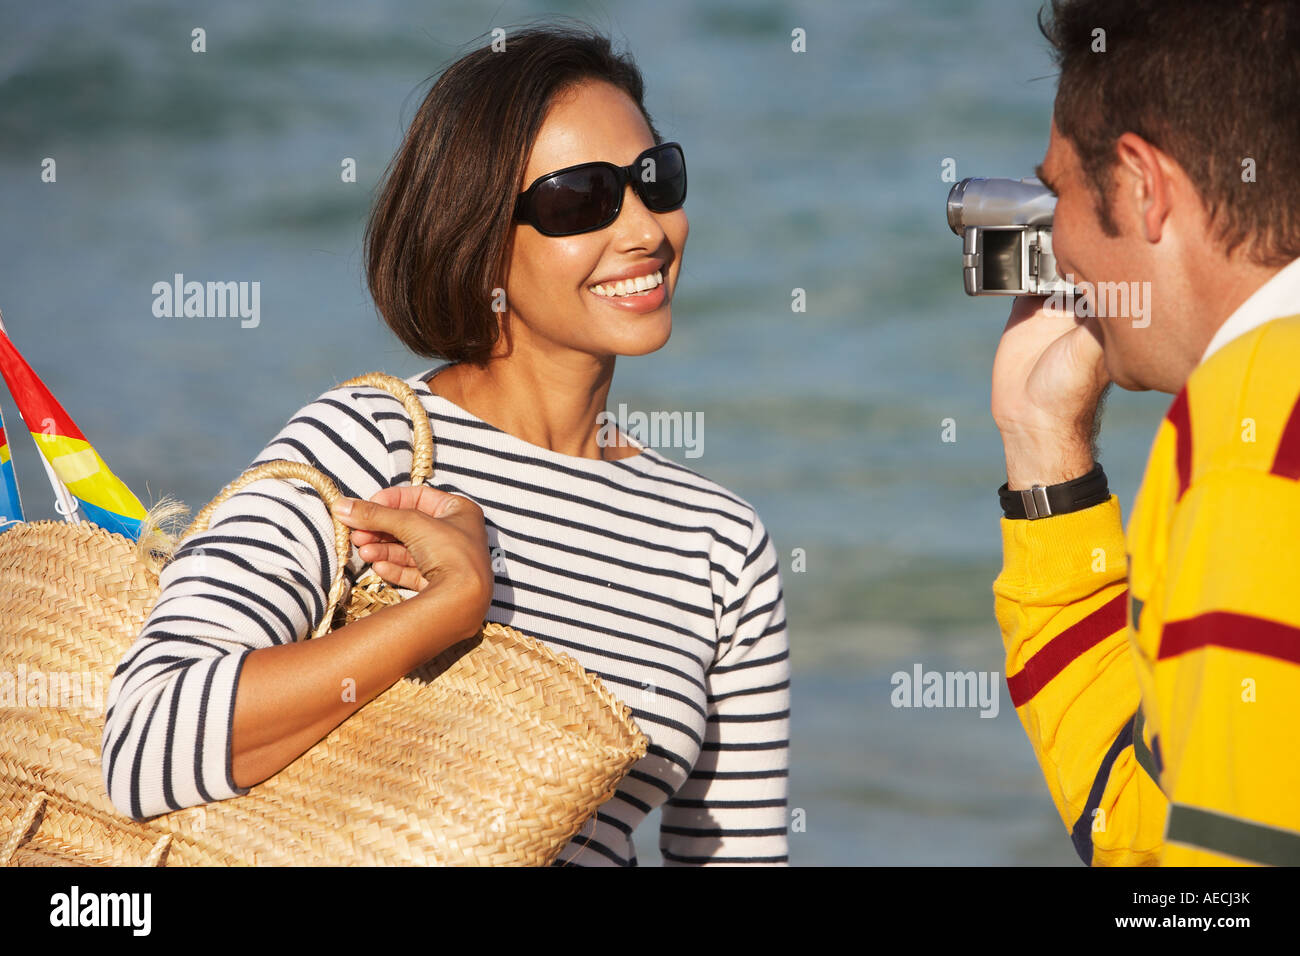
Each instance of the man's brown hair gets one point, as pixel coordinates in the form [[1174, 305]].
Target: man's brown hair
[[1215, 84], [437, 242]]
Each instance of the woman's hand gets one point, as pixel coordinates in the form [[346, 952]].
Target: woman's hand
[[417, 537]]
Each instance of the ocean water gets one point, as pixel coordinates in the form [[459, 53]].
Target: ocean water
[[819, 171]]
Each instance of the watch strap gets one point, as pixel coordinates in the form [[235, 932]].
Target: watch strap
[[1043, 501]]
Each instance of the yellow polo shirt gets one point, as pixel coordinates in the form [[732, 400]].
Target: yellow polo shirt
[[1158, 679]]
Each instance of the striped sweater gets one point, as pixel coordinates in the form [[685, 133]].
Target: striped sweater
[[654, 578], [1162, 694]]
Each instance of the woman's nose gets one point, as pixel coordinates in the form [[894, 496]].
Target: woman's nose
[[636, 220]]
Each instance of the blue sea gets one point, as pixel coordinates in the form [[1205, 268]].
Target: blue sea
[[821, 170]]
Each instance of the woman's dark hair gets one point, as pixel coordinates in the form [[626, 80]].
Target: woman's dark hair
[[1212, 84], [437, 241]]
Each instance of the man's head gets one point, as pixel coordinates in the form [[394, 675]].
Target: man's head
[[1173, 152]]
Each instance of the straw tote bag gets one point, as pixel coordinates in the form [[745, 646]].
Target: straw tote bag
[[495, 752]]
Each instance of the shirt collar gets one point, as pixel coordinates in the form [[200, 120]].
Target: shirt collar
[[1277, 297]]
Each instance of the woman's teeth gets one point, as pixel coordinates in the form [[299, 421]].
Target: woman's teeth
[[639, 285]]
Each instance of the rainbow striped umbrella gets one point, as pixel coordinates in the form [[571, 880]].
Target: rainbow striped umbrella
[[11, 504], [83, 484]]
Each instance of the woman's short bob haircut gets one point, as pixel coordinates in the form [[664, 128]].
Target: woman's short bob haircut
[[437, 242]]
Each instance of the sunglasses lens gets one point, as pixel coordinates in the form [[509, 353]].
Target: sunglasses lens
[[576, 201], [588, 198], [662, 177]]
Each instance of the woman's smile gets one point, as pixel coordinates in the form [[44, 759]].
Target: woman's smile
[[639, 294]]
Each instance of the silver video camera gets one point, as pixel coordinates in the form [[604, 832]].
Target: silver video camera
[[1006, 234]]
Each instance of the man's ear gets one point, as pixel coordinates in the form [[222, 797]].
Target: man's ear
[[1144, 185]]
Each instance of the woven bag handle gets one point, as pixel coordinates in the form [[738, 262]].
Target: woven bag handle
[[421, 470]]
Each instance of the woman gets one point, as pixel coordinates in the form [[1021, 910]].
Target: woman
[[487, 250]]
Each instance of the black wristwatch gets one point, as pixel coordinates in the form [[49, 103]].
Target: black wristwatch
[[1043, 501]]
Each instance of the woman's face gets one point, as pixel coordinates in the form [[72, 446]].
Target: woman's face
[[551, 305]]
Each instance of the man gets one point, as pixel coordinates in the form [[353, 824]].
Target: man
[[1162, 693]]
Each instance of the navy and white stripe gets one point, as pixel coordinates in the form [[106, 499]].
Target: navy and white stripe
[[654, 578]]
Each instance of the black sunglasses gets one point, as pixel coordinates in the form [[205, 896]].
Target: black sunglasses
[[589, 196]]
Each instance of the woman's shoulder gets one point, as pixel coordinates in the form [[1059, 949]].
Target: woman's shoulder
[[351, 401], [355, 433], [690, 487], [660, 469]]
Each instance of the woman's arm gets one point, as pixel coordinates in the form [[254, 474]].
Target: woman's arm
[[291, 696], [253, 586], [732, 809]]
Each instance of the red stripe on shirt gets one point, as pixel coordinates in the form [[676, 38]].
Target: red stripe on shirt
[[1287, 462], [1238, 632], [1057, 653], [1180, 416]]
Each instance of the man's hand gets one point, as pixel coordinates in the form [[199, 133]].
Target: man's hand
[[1049, 377]]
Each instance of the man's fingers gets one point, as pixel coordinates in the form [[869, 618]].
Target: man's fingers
[[1025, 307], [1086, 345], [1032, 316]]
